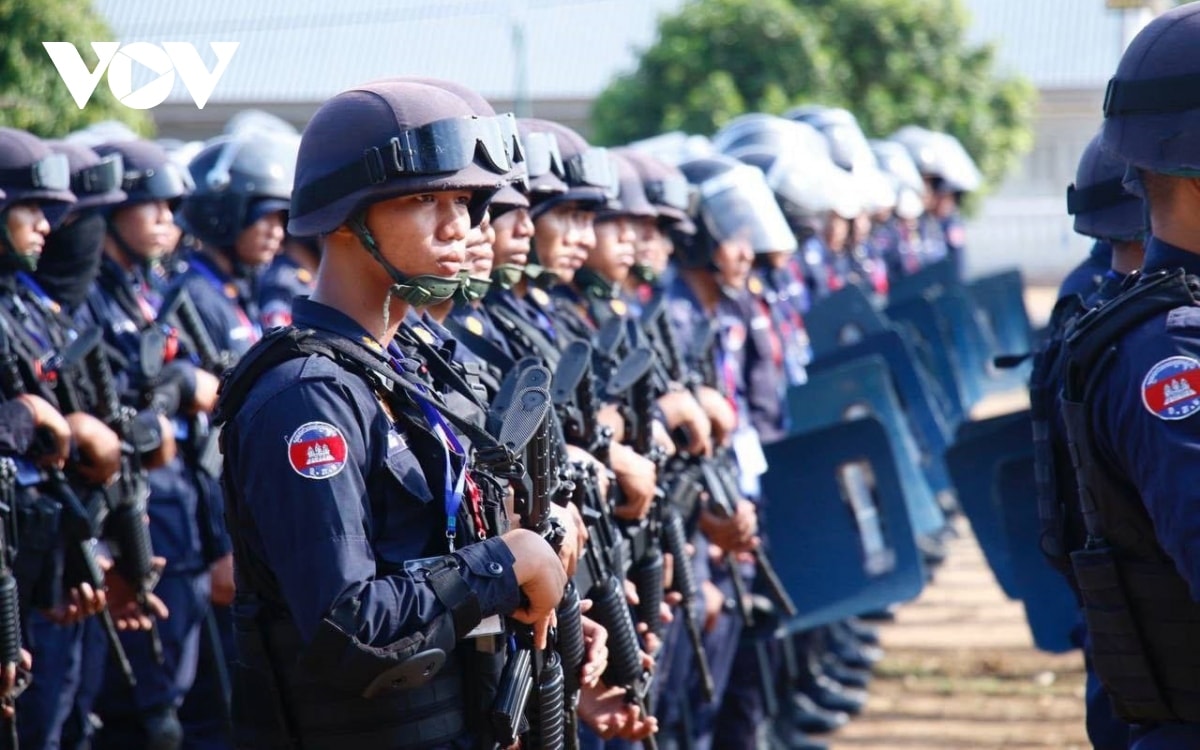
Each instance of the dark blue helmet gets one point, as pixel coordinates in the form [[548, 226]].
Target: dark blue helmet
[[631, 196], [589, 172], [665, 187], [31, 171], [1098, 200], [149, 174], [391, 138], [238, 180], [1152, 105], [95, 180]]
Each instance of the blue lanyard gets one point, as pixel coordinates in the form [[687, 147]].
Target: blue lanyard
[[453, 489]]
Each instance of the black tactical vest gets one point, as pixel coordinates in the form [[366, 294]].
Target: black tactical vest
[[277, 702], [1143, 622]]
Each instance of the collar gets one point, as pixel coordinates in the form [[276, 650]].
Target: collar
[[1161, 255], [309, 314]]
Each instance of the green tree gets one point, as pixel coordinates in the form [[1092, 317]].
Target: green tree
[[32, 96], [890, 62]]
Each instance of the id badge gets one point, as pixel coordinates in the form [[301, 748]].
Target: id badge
[[492, 625], [748, 449]]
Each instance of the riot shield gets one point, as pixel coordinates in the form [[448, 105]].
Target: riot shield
[[844, 544], [844, 317], [1000, 299], [1050, 605], [931, 339], [974, 460], [922, 401], [858, 388]]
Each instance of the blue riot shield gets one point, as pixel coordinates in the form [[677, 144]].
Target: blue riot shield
[[974, 459], [843, 543], [943, 274], [1000, 299], [860, 387], [1050, 605], [920, 397], [844, 317], [932, 341]]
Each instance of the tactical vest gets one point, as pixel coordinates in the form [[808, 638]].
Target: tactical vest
[[1060, 524], [1142, 619], [278, 703]]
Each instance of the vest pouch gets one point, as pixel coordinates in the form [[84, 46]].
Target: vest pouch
[[1120, 654]]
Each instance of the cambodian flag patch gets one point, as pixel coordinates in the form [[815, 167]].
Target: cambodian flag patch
[[317, 450], [1171, 390]]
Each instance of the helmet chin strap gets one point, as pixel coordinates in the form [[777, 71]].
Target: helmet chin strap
[[131, 258], [472, 288], [418, 291], [506, 275]]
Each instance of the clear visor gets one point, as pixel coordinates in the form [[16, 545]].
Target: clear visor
[[542, 156], [51, 172], [670, 191], [803, 185], [99, 178], [450, 145], [592, 168], [739, 204]]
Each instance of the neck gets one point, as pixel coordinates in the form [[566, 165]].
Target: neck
[[219, 259], [521, 288], [341, 287], [704, 286], [1128, 257], [441, 310], [1173, 215], [116, 255]]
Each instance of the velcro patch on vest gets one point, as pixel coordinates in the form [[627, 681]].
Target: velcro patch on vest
[[1183, 317], [317, 450], [1171, 390]]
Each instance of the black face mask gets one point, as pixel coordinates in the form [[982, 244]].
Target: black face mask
[[71, 260]]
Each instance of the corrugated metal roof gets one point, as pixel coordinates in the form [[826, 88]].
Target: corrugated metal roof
[[1056, 44], [307, 50]]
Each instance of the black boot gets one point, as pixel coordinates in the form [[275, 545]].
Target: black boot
[[799, 711], [848, 676]]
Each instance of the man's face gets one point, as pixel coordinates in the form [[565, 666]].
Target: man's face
[[147, 229], [565, 235], [423, 234], [615, 251], [513, 232], [27, 229], [258, 243], [734, 259], [479, 249], [653, 247]]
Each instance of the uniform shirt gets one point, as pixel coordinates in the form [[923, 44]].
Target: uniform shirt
[[1148, 436], [1086, 278], [787, 301], [477, 330], [16, 428], [332, 496], [227, 307], [766, 381], [282, 282], [183, 527]]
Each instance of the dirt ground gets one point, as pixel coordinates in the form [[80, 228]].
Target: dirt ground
[[960, 670]]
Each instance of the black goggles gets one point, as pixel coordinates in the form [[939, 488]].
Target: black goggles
[[51, 172], [670, 191], [542, 156], [592, 168], [167, 182], [99, 178]]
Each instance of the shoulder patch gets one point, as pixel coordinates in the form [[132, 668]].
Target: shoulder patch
[[474, 325], [1183, 317], [317, 450], [1171, 389]]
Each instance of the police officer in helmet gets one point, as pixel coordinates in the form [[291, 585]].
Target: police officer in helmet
[[354, 591], [1132, 418]]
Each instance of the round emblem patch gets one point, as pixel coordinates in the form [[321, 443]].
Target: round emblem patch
[[1171, 390], [474, 325], [317, 450]]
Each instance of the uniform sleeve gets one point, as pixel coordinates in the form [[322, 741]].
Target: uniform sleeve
[[16, 428], [312, 512], [1151, 428]]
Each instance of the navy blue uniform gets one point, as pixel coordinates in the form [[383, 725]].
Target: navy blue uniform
[[282, 282], [1146, 429], [1086, 278], [332, 493]]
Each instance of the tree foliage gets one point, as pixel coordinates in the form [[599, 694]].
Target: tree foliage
[[890, 62], [32, 96]]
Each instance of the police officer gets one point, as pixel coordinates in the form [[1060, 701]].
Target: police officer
[[1131, 419], [361, 580]]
